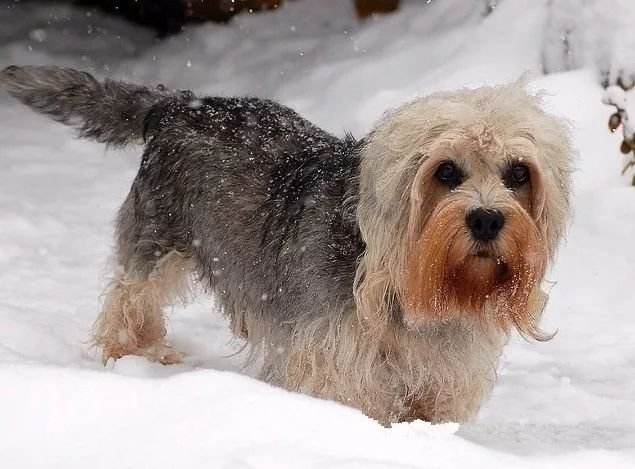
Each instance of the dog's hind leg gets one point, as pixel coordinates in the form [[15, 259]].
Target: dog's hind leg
[[132, 321]]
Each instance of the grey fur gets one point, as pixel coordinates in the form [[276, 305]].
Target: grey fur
[[254, 193]]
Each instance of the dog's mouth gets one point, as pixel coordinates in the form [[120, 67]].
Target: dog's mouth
[[483, 254], [488, 254], [488, 263]]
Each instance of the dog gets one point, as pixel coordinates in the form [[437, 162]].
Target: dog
[[386, 273]]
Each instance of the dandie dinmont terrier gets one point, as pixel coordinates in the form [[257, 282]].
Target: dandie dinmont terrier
[[385, 273]]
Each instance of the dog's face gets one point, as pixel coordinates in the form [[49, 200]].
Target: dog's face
[[475, 234], [479, 199]]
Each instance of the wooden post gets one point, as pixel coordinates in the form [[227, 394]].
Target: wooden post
[[366, 8]]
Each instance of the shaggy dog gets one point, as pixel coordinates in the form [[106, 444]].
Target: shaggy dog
[[385, 273]]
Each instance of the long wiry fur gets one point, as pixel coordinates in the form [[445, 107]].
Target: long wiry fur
[[343, 262]]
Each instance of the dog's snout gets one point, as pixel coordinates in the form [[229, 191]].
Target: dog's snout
[[485, 224]]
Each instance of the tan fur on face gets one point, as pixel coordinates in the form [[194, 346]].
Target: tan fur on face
[[444, 277]]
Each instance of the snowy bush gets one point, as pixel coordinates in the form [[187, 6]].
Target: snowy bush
[[593, 33]]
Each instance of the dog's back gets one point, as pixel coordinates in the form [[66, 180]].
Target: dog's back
[[246, 190]]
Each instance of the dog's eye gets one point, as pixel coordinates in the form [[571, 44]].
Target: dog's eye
[[449, 174], [517, 175]]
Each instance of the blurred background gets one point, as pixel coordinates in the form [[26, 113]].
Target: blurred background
[[351, 49]]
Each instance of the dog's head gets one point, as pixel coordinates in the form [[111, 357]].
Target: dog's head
[[463, 199]]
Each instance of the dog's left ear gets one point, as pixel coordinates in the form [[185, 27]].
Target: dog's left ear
[[556, 158], [552, 137], [554, 163]]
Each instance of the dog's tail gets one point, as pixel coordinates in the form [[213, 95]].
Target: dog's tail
[[111, 112]]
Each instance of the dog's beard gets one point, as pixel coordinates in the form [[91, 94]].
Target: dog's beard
[[448, 274]]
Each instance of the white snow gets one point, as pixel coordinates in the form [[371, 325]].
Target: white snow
[[591, 32], [562, 404]]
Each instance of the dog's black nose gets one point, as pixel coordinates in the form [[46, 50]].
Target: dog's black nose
[[485, 224]]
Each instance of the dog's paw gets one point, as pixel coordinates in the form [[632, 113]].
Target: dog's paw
[[162, 352]]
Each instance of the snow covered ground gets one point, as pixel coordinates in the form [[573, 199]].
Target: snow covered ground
[[566, 403]]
